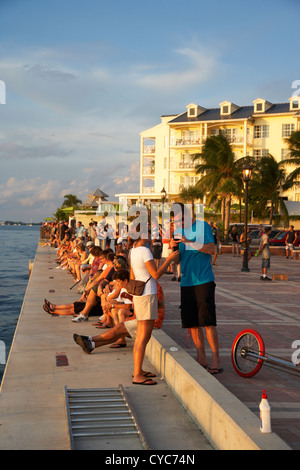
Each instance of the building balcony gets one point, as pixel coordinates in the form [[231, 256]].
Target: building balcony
[[183, 166], [148, 170], [148, 149], [148, 190], [177, 142]]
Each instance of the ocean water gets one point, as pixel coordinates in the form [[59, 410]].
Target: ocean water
[[18, 245]]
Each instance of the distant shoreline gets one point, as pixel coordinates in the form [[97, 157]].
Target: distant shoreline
[[9, 222]]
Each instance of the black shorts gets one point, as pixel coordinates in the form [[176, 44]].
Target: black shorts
[[198, 305], [96, 310]]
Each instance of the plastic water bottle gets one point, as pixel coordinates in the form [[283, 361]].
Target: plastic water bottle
[[265, 414]]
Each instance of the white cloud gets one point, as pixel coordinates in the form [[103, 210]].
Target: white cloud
[[195, 67]]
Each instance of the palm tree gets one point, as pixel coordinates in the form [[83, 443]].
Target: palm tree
[[293, 159], [266, 186], [70, 200], [221, 173], [190, 194]]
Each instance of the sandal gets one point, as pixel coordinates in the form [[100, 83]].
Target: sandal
[[48, 305], [216, 370], [146, 382], [48, 310]]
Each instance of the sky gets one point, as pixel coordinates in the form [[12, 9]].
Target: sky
[[80, 80]]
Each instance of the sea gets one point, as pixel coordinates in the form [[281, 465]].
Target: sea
[[18, 245]]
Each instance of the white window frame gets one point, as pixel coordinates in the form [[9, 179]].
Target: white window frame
[[287, 129], [261, 131]]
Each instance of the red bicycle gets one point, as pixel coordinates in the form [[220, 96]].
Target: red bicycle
[[248, 355]]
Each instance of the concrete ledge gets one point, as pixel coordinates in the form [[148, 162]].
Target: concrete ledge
[[227, 422]]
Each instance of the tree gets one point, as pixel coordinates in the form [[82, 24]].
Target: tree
[[265, 188], [70, 200], [293, 159], [190, 194], [219, 167]]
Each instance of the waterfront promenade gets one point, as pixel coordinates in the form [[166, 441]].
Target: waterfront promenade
[[44, 359], [272, 309]]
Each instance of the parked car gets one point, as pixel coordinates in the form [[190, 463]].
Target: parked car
[[256, 234], [280, 238]]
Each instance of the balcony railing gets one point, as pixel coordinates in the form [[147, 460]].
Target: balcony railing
[[183, 165], [149, 149], [148, 190], [148, 170], [177, 142]]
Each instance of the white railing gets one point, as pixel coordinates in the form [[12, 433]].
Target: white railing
[[149, 149], [148, 170]]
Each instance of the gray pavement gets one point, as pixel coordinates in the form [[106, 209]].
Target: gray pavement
[[44, 359], [271, 308]]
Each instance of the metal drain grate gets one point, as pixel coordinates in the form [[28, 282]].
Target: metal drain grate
[[102, 418]]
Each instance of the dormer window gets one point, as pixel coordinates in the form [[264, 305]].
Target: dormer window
[[227, 108], [194, 110], [261, 105], [294, 103]]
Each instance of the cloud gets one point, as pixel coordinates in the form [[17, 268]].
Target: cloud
[[12, 150], [196, 66]]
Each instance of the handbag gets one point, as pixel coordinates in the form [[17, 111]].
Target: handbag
[[135, 287]]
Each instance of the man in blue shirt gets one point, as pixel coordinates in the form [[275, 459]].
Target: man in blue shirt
[[80, 231], [197, 285]]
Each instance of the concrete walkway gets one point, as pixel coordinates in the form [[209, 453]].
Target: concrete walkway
[[32, 401], [188, 409]]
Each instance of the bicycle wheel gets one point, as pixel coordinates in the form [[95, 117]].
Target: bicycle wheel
[[247, 341]]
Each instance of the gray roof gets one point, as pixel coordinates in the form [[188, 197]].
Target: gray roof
[[243, 112]]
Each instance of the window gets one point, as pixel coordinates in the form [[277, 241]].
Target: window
[[287, 129], [259, 107], [225, 110], [284, 154], [192, 112], [258, 153], [261, 131], [295, 104]]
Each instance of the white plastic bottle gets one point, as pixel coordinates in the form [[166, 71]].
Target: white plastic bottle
[[265, 414]]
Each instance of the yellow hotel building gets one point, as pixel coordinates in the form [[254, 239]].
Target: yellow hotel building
[[167, 148]]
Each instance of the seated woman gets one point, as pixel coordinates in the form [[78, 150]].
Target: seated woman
[[120, 308], [94, 288]]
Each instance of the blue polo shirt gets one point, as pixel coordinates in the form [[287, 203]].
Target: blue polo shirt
[[196, 267]]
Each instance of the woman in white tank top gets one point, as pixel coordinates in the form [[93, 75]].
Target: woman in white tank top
[[142, 268]]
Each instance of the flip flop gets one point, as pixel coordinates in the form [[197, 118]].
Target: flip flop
[[46, 308], [118, 345], [216, 369], [48, 304], [145, 382], [148, 374]]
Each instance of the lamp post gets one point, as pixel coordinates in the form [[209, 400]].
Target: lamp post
[[163, 199], [247, 170], [163, 195]]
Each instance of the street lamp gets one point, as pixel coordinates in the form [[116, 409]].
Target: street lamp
[[163, 195], [247, 170], [163, 199]]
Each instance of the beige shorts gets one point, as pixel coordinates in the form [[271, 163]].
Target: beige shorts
[[146, 307], [131, 327]]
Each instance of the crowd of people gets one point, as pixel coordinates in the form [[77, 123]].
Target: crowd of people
[[105, 267]]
